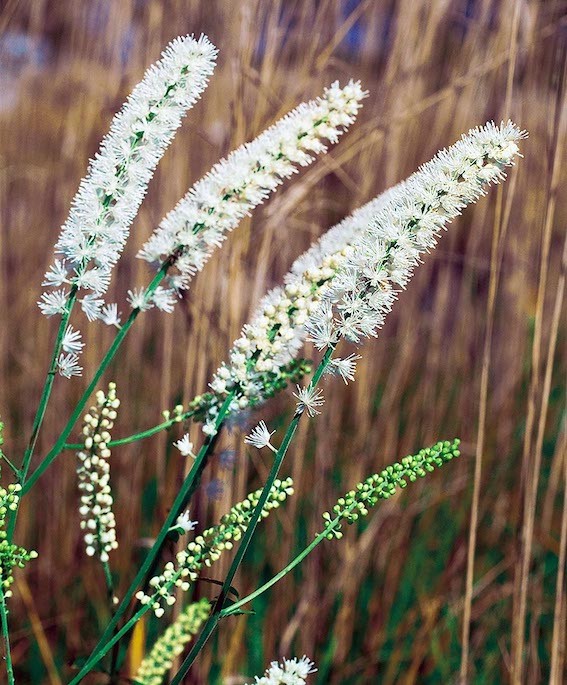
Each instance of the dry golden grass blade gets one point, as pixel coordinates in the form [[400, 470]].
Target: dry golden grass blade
[[532, 448], [499, 229], [38, 631]]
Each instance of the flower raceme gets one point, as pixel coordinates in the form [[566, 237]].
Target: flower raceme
[[262, 359], [157, 663], [383, 485], [216, 204], [97, 517], [110, 195], [384, 256], [206, 548]]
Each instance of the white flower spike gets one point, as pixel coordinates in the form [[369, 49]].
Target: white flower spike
[[93, 237], [97, 518], [384, 256], [217, 203]]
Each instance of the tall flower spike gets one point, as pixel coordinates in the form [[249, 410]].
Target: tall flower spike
[[205, 549], [154, 667], [385, 484], [216, 204], [109, 196], [384, 256], [98, 521], [263, 359], [289, 672]]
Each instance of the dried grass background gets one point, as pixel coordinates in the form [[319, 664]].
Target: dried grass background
[[475, 347]]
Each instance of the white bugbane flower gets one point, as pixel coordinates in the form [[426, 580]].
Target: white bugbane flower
[[72, 341], [237, 184], [68, 365], [345, 368], [263, 357], [309, 399], [384, 255], [110, 315], [289, 672], [185, 523], [185, 446], [109, 196], [260, 437]]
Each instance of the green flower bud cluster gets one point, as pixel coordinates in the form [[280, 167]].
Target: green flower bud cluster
[[153, 668], [178, 414], [10, 555], [207, 548], [384, 484], [97, 517]]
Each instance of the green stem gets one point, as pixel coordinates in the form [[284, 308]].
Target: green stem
[[6, 635], [204, 635], [186, 491], [12, 466], [44, 399], [137, 436], [108, 357], [214, 618], [110, 594], [233, 608], [109, 583], [118, 635]]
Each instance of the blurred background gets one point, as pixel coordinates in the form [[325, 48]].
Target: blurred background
[[474, 348]]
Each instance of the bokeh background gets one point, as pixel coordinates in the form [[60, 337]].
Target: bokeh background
[[474, 348]]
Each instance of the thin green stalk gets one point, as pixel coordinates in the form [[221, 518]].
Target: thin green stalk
[[42, 406], [6, 637], [187, 489], [138, 436], [204, 635], [110, 594], [108, 357], [118, 635], [214, 618], [233, 608], [109, 583]]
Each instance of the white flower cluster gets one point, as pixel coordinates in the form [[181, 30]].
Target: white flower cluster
[[290, 672], [109, 196], [207, 548], [276, 332], [154, 667], [384, 256], [71, 346], [97, 518], [216, 204]]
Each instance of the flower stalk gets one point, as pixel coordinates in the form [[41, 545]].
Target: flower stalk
[[213, 620]]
